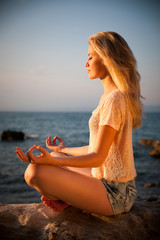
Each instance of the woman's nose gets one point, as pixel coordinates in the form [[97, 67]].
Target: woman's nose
[[87, 64]]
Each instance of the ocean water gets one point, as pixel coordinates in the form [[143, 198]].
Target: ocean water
[[73, 128]]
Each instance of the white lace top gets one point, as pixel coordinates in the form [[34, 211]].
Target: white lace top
[[119, 163]]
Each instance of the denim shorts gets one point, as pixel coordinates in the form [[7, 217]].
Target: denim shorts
[[120, 194]]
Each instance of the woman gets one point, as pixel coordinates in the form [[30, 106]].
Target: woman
[[98, 178]]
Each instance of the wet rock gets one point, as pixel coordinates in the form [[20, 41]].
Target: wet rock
[[12, 135], [148, 142], [152, 199], [155, 152], [36, 221], [148, 185]]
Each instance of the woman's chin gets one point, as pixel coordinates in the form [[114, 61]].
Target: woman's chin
[[91, 77]]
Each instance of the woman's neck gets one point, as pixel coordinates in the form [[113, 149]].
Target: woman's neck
[[108, 84]]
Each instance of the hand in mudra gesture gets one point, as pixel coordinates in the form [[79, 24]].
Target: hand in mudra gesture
[[43, 158], [53, 145]]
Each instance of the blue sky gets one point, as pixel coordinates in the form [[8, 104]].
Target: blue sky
[[44, 47]]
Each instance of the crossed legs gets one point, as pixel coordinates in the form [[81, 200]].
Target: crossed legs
[[70, 186]]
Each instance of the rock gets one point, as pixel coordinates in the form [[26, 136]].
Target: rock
[[12, 135], [37, 222], [147, 142], [155, 152], [148, 185], [152, 199]]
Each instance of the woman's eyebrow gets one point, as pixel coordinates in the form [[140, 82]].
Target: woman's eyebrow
[[90, 54]]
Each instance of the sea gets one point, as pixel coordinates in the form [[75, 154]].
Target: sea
[[72, 127]]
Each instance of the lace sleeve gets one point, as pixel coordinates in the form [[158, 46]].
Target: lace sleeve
[[111, 112]]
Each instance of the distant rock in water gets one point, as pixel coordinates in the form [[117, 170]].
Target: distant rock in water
[[12, 135], [146, 142], [155, 152]]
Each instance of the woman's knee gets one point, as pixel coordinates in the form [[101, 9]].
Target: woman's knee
[[31, 174]]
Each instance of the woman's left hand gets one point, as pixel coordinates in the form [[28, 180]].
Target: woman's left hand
[[53, 145], [43, 158]]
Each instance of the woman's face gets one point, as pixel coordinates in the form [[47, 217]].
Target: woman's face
[[95, 65]]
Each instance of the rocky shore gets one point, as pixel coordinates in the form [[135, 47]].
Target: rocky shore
[[37, 222]]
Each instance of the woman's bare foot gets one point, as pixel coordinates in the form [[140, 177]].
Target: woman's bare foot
[[56, 205]]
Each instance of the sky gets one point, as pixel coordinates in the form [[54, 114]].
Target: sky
[[44, 48]]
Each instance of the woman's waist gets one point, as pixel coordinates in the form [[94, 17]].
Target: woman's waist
[[123, 176]]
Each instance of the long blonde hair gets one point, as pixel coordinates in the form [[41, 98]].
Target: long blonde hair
[[122, 67]]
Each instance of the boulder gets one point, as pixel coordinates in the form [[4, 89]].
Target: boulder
[[155, 152], [37, 222], [147, 142], [12, 135]]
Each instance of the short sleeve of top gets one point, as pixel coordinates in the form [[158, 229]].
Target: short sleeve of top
[[112, 111]]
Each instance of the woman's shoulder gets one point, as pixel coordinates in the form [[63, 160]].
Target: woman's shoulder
[[116, 96]]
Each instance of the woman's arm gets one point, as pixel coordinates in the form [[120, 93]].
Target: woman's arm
[[75, 151], [105, 138]]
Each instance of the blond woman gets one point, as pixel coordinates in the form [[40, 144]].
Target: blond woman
[[100, 177]]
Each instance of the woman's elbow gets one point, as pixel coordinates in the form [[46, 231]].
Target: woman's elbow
[[100, 159]]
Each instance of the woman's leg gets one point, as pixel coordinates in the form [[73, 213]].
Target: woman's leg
[[76, 189], [54, 203]]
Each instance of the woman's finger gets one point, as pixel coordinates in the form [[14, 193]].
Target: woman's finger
[[31, 149], [59, 139], [50, 142], [21, 155], [54, 141], [41, 149], [23, 158], [47, 142], [41, 155], [30, 153]]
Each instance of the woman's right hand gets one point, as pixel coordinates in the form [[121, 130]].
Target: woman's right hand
[[24, 157], [53, 145]]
